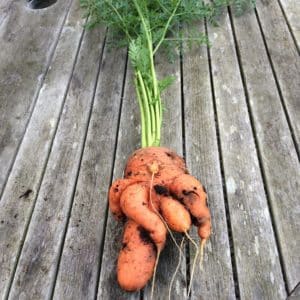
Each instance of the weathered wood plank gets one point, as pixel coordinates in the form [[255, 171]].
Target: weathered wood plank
[[5, 7], [80, 262], [36, 270], [28, 39], [202, 156], [256, 256], [285, 59], [128, 140], [278, 155], [171, 138], [292, 12], [23, 184]]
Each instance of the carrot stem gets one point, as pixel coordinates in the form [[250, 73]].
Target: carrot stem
[[142, 113]]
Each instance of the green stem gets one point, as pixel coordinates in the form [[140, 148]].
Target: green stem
[[145, 101], [150, 48], [152, 113], [157, 123], [166, 28], [143, 124], [124, 28]]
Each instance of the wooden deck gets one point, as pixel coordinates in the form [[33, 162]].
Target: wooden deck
[[69, 120]]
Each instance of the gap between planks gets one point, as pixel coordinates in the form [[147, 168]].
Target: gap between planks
[[187, 248]]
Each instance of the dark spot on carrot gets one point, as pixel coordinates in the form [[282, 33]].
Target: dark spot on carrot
[[195, 188], [145, 237], [171, 155], [129, 173], [26, 194], [176, 197], [161, 190], [201, 220], [194, 221], [116, 190], [124, 245]]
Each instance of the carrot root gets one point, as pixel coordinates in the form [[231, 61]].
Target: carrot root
[[177, 267], [194, 262], [154, 275], [202, 245]]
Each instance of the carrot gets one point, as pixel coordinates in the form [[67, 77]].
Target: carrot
[[114, 195], [134, 204], [189, 190], [136, 259], [159, 195], [175, 215], [169, 164]]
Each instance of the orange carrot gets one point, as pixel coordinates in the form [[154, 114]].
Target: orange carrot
[[136, 259], [156, 195], [175, 215], [114, 195], [134, 204]]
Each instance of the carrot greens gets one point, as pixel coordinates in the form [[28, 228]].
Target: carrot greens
[[146, 26]]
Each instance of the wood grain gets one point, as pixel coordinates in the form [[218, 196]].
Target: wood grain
[[256, 255], [202, 155], [35, 272], [292, 12], [285, 60], [28, 39], [80, 261], [19, 197], [278, 154]]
